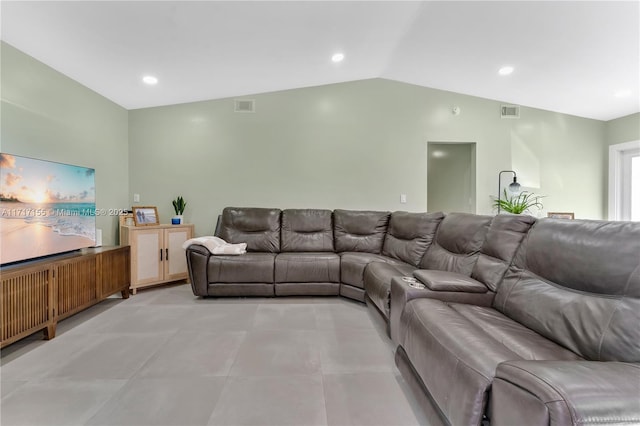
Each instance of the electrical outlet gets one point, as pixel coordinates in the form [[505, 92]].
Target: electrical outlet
[[403, 198], [136, 198]]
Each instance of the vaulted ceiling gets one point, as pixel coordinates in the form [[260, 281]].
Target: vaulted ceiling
[[580, 58]]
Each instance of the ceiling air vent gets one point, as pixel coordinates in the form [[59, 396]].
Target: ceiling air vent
[[244, 105], [510, 111]]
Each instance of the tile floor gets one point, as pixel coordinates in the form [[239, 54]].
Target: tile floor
[[165, 357]]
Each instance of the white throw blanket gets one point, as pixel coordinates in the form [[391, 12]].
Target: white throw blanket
[[217, 246]]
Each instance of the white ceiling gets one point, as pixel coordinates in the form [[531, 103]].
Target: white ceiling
[[570, 57]]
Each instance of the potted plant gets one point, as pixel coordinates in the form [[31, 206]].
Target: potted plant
[[178, 205], [519, 203]]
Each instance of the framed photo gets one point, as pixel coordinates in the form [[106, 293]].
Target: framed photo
[[145, 216], [560, 215]]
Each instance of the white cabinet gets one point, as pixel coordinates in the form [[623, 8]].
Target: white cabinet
[[157, 255]]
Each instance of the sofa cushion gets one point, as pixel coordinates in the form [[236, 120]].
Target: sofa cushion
[[258, 227], [307, 268], [455, 349], [352, 266], [504, 236], [359, 231], [449, 281], [457, 243], [577, 282], [377, 281], [409, 235], [306, 230], [246, 268]]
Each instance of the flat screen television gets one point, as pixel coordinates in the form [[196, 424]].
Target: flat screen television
[[46, 208]]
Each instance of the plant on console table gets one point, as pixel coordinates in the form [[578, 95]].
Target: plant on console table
[[518, 203], [178, 205]]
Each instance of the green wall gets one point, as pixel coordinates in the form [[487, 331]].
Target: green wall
[[623, 129], [355, 145], [47, 115]]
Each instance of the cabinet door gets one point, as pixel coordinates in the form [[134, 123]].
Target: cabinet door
[[26, 302], [147, 256], [76, 285], [175, 267], [115, 271]]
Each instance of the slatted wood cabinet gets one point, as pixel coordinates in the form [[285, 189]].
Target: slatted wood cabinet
[[36, 295]]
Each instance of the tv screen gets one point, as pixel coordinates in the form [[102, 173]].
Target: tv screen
[[45, 208]]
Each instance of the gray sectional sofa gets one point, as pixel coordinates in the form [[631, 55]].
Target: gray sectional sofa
[[520, 321]]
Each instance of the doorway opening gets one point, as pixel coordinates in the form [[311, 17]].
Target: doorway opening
[[624, 181], [451, 177]]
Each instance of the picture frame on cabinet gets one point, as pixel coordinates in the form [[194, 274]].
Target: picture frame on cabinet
[[145, 216], [560, 215]]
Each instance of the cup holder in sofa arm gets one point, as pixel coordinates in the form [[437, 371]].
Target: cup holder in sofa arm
[[442, 285], [449, 281]]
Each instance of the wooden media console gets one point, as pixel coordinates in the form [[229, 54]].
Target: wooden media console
[[36, 295]]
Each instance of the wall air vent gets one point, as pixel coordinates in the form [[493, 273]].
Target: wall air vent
[[510, 111], [244, 105]]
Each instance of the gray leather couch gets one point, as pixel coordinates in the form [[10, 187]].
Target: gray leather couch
[[520, 321], [309, 251], [559, 343]]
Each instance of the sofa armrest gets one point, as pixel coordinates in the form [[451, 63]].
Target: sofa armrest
[[566, 393], [449, 281], [198, 265], [402, 293]]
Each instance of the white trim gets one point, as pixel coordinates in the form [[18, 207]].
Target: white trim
[[616, 156]]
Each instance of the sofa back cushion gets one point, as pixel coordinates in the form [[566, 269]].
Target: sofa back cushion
[[457, 244], [504, 236], [361, 231], [577, 282], [409, 235], [307, 230], [258, 227]]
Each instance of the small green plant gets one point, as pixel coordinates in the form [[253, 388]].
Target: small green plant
[[179, 205], [519, 203]]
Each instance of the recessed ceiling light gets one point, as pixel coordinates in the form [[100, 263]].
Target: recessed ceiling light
[[623, 93], [150, 80], [338, 57], [506, 70]]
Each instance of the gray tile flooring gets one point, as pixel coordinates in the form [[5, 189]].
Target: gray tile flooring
[[165, 357]]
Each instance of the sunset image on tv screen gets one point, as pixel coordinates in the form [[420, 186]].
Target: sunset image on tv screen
[[45, 208]]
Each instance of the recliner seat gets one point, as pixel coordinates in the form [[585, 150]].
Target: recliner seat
[[358, 236], [307, 263]]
